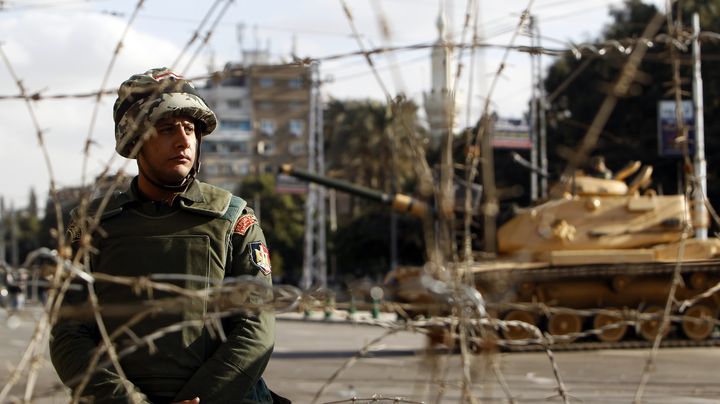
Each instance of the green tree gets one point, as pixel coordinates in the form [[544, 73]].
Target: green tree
[[361, 245], [32, 208], [27, 228], [367, 143], [631, 131], [282, 220]]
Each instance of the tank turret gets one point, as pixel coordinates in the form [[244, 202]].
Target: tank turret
[[602, 220]]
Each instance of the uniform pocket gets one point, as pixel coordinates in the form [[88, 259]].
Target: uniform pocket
[[182, 260]]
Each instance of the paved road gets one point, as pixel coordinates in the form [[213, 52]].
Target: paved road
[[309, 352], [686, 375]]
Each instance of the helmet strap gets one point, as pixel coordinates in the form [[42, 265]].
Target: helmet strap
[[180, 187]]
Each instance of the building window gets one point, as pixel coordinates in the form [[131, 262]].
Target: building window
[[225, 169], [241, 147], [267, 127], [266, 82], [296, 82], [208, 147], [234, 81], [238, 147], [265, 105], [234, 104], [296, 105], [296, 148], [222, 148], [231, 124], [210, 169], [241, 168], [296, 127], [265, 148]]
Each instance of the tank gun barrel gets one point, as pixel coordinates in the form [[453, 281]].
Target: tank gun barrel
[[398, 202], [517, 158]]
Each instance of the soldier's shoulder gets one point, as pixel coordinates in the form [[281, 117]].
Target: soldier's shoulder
[[212, 191], [102, 207], [105, 206], [245, 221]]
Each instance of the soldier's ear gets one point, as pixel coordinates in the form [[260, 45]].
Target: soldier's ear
[[200, 128]]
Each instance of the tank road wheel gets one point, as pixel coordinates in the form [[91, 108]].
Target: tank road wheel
[[612, 316], [698, 330], [514, 332], [564, 323], [649, 328]]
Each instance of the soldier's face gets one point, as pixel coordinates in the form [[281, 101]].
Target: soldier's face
[[170, 153]]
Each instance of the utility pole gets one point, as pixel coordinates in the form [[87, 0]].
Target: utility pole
[[2, 230], [542, 123], [538, 126], [699, 164], [533, 113], [14, 247], [490, 202], [315, 262]]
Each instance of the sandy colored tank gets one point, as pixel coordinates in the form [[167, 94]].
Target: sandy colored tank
[[604, 249]]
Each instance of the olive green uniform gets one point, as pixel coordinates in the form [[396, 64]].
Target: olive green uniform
[[207, 234]]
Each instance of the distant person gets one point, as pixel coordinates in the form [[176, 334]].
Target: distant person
[[599, 169], [15, 289], [169, 223]]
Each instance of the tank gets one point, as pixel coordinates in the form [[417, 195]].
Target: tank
[[606, 249]]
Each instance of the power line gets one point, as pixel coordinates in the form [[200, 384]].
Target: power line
[[43, 5], [599, 48]]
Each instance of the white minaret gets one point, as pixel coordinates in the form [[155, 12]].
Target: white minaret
[[440, 106]]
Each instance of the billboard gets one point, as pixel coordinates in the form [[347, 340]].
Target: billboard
[[511, 134], [668, 129]]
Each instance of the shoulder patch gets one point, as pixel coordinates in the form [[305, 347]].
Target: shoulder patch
[[244, 222], [260, 256]]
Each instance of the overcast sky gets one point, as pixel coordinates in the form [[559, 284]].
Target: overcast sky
[[65, 46]]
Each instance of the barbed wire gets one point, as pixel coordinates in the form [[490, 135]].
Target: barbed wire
[[103, 84], [581, 50], [196, 34], [207, 36], [472, 322], [317, 301]]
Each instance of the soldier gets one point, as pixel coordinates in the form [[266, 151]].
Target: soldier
[[172, 227], [599, 169]]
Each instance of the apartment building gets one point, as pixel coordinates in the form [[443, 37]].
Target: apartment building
[[263, 112], [227, 154]]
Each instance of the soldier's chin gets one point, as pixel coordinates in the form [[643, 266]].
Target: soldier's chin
[[175, 177]]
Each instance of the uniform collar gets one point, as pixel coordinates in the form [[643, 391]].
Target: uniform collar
[[199, 197], [192, 193]]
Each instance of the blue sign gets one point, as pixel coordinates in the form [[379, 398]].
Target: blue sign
[[668, 130]]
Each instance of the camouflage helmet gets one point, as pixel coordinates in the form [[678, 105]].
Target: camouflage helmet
[[145, 98]]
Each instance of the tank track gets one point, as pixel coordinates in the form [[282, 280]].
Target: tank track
[[550, 273], [630, 344]]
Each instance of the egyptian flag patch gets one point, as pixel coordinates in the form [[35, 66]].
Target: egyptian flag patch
[[244, 223], [260, 256]]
